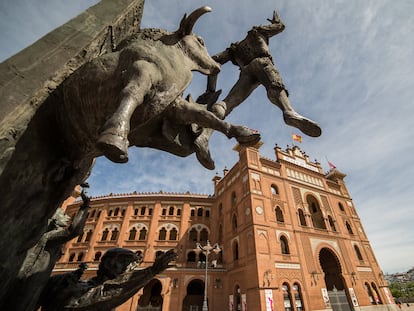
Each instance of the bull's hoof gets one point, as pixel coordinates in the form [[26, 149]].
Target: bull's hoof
[[114, 147], [306, 125], [203, 154], [244, 135]]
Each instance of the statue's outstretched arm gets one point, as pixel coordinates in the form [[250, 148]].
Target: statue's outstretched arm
[[276, 26]]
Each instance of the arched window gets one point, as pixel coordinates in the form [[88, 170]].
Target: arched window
[[173, 234], [358, 252], [171, 211], [143, 210], [80, 256], [162, 234], [99, 214], [80, 237], [200, 212], [142, 234], [93, 213], [207, 213], [114, 234], [331, 223], [164, 211], [220, 209], [287, 297], [235, 250], [136, 212], [316, 213], [341, 207], [370, 294], [233, 198], [116, 211], [88, 235], [105, 234], [220, 234], [203, 235], [192, 212], [193, 235], [97, 256], [284, 245], [349, 228], [279, 214], [72, 257], [110, 213], [178, 211], [274, 189], [302, 219], [237, 298], [132, 234], [149, 211], [123, 212], [191, 256], [376, 294], [297, 294], [234, 222]]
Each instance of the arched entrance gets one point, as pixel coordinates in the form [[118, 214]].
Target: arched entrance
[[193, 301], [151, 299], [335, 285]]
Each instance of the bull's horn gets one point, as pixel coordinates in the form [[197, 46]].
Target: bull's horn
[[187, 23]]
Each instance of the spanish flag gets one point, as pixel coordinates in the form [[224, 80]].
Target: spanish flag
[[297, 137]]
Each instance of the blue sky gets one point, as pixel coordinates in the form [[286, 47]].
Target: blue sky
[[347, 64]]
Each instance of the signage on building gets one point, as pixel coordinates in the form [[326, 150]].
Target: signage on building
[[244, 302], [325, 298], [269, 299], [300, 162], [353, 297]]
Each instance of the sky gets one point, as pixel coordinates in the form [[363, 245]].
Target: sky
[[348, 64]]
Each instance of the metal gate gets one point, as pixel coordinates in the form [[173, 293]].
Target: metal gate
[[339, 300]]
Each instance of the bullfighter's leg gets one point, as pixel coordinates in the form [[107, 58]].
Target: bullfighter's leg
[[113, 140], [277, 94], [239, 92]]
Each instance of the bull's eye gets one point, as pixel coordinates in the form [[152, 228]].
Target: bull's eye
[[200, 40]]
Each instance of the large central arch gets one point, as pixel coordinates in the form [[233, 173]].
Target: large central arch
[[335, 283]]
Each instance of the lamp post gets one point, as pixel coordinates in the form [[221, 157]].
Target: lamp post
[[207, 249]]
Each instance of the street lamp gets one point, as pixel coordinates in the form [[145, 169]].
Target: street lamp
[[207, 249]]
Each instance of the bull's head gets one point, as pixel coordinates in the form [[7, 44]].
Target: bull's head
[[194, 46]]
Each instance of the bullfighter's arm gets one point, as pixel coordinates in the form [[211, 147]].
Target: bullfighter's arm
[[276, 26], [116, 291], [221, 58]]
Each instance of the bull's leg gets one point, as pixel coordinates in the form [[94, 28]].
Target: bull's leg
[[113, 141], [240, 91]]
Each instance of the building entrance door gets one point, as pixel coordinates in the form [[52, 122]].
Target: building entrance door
[[335, 285], [193, 301]]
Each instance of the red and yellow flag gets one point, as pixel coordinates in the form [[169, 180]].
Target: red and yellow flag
[[297, 137]]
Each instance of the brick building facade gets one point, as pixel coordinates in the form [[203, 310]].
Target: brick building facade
[[290, 236]]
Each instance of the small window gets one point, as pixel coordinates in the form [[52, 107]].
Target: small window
[[80, 256], [97, 256], [358, 253], [164, 211], [341, 207], [302, 219], [173, 234], [193, 235], [171, 211], [234, 222], [178, 211], [143, 210], [132, 234], [105, 234], [123, 212], [136, 212], [192, 213], [207, 213], [72, 257], [284, 246], [203, 235], [235, 250], [80, 237], [233, 198], [110, 213], [93, 213], [274, 189], [116, 211], [349, 228], [142, 234], [114, 234], [191, 256], [279, 214], [331, 223], [162, 234], [200, 212], [88, 235], [149, 211]]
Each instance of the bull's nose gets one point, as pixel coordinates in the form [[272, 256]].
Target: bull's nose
[[216, 69]]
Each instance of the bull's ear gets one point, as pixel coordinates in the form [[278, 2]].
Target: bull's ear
[[187, 23]]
